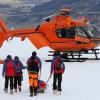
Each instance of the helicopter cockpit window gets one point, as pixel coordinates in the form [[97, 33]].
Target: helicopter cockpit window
[[66, 33], [81, 32], [94, 31]]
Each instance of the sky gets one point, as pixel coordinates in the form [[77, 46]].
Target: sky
[[8, 1], [15, 1]]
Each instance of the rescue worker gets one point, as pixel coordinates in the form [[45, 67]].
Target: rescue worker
[[8, 72], [57, 68], [34, 55], [18, 73], [33, 67]]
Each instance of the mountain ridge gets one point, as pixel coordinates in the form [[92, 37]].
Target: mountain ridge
[[53, 5]]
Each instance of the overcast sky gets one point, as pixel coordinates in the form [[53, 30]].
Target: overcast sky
[[18, 1]]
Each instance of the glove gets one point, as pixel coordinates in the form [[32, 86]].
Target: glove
[[3, 75]]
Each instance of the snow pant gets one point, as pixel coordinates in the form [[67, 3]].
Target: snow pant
[[33, 83], [57, 78], [17, 81], [7, 79]]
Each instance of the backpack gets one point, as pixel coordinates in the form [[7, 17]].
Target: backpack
[[60, 65], [9, 65], [18, 68], [33, 66], [10, 68]]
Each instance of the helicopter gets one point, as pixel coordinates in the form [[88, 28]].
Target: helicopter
[[60, 32]]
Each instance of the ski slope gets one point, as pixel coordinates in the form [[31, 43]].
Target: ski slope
[[81, 81]]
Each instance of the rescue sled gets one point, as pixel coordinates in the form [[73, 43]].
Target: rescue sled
[[42, 86]]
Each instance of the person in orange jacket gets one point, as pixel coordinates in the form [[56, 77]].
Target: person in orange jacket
[[33, 67]]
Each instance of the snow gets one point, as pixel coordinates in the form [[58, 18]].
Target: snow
[[81, 81]]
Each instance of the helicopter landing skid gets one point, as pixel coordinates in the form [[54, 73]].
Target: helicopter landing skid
[[77, 56], [71, 60]]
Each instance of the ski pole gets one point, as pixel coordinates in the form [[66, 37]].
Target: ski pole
[[48, 80]]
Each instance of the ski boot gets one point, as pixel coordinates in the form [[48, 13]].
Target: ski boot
[[54, 91], [19, 88], [35, 94], [31, 94], [11, 92], [15, 90], [59, 93], [31, 91], [6, 90]]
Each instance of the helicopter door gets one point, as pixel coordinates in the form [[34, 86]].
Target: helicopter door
[[81, 35]]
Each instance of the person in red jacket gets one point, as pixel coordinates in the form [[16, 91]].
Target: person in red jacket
[[8, 72], [57, 68], [18, 73]]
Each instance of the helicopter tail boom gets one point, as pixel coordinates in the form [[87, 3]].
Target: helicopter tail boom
[[6, 33], [3, 32]]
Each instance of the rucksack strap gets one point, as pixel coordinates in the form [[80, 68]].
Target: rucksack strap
[[33, 72]]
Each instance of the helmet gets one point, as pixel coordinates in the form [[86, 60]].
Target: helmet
[[9, 57], [57, 53], [16, 57], [34, 53]]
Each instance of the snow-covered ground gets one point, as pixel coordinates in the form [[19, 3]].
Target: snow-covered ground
[[81, 81]]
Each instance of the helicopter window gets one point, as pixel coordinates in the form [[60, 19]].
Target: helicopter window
[[81, 32], [94, 31], [66, 33]]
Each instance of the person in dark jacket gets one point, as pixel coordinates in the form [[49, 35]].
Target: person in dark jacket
[[57, 68], [18, 73], [8, 72], [33, 67], [34, 55]]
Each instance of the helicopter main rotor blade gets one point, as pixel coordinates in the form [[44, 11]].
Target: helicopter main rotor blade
[[71, 12], [27, 14], [50, 16], [86, 12]]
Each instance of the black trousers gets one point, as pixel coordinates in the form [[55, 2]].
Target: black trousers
[[57, 80], [17, 81], [7, 79], [33, 90]]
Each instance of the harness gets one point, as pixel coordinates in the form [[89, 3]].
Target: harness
[[33, 72]]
